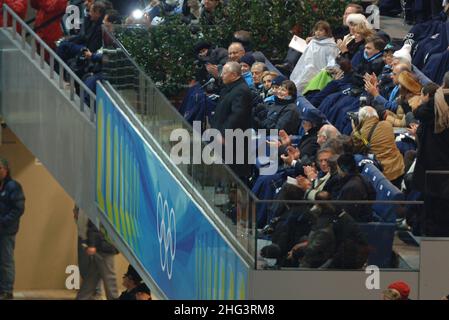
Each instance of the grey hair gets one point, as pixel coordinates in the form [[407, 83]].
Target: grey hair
[[329, 131], [239, 44], [259, 64], [367, 112], [234, 67]]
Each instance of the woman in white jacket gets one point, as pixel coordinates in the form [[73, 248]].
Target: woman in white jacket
[[320, 53]]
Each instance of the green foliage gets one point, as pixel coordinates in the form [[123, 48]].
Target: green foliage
[[166, 52]]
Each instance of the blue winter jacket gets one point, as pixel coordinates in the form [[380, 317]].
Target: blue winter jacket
[[12, 206]]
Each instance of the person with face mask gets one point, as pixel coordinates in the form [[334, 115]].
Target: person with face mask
[[372, 62]]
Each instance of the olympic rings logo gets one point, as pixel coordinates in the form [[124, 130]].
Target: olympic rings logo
[[166, 234]]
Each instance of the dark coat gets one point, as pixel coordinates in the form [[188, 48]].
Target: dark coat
[[129, 295], [233, 111], [92, 35], [355, 187], [433, 150], [12, 206], [351, 245], [283, 114], [367, 66], [308, 147], [96, 239], [321, 243]]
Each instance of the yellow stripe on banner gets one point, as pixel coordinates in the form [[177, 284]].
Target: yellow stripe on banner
[[100, 154], [216, 263], [121, 191], [242, 288], [223, 277], [108, 169], [126, 195], [231, 293], [116, 182]]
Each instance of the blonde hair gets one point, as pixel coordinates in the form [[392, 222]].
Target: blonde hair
[[391, 294], [363, 30], [269, 73]]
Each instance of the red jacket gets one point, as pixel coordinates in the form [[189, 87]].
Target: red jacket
[[18, 6], [47, 10]]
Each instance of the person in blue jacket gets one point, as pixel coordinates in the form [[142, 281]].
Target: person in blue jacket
[[12, 206]]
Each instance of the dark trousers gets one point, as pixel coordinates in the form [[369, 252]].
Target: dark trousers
[[7, 266]]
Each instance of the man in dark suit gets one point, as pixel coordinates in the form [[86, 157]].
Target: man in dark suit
[[234, 112]]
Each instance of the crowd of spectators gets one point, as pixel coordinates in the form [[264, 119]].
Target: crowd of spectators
[[354, 95]]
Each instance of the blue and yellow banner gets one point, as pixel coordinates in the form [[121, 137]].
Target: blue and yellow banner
[[152, 212]]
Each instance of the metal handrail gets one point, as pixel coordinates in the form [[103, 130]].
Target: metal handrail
[[179, 118], [44, 50]]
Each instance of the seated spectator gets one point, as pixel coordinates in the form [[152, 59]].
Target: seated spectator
[[379, 136], [372, 62], [267, 81], [409, 100], [312, 121], [131, 282], [94, 60], [383, 103], [313, 181], [276, 83], [90, 39], [290, 222], [326, 133], [342, 80], [320, 53], [283, 114], [257, 71], [246, 62], [320, 245], [353, 186], [354, 42], [385, 80]]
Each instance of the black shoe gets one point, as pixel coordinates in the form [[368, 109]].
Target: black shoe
[[6, 296]]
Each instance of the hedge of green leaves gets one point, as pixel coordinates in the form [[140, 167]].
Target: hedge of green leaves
[[166, 52]]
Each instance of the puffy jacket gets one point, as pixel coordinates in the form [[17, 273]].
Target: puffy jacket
[[49, 10], [18, 6], [12, 206]]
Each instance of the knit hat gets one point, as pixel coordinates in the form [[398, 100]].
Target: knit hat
[[278, 80], [404, 53], [409, 82], [248, 59], [133, 275], [402, 288], [358, 18], [389, 47]]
